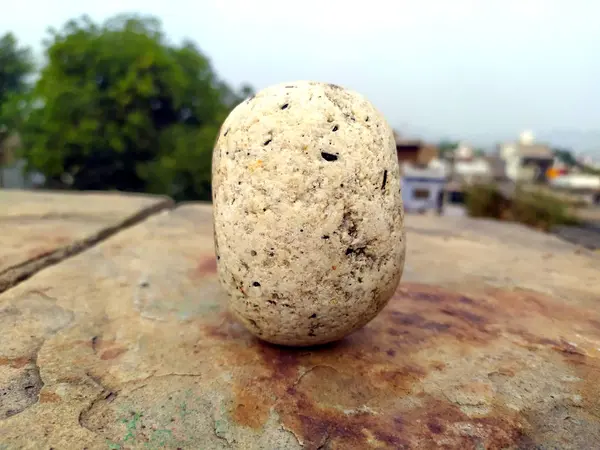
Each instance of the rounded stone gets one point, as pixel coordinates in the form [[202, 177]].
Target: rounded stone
[[308, 216]]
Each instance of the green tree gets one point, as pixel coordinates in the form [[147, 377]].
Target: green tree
[[565, 156], [446, 147], [122, 109], [16, 64]]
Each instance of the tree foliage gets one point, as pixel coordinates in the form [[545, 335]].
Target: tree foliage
[[16, 65], [446, 147], [565, 156], [120, 108]]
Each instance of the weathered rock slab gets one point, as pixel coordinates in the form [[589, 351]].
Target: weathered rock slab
[[492, 341], [38, 228]]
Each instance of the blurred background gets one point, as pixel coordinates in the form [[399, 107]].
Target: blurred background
[[495, 104]]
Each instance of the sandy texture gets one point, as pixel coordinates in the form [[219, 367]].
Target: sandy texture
[[40, 228], [308, 212]]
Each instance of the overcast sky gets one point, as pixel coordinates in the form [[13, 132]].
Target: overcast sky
[[463, 68]]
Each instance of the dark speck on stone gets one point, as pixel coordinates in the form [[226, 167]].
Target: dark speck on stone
[[385, 173], [329, 156], [256, 284]]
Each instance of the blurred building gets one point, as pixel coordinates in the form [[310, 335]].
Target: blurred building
[[423, 186], [424, 176], [12, 169], [525, 160], [415, 151]]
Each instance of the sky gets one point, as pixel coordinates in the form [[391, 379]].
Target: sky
[[479, 70]]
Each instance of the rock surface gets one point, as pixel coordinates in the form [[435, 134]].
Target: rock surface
[[492, 341], [308, 212], [40, 228]]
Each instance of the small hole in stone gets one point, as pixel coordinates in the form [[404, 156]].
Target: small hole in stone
[[239, 182], [252, 252], [285, 106], [313, 316], [335, 128], [267, 142], [329, 156], [256, 284], [325, 236], [218, 257], [385, 172], [367, 119], [264, 209], [359, 279], [227, 131], [301, 230], [271, 302]]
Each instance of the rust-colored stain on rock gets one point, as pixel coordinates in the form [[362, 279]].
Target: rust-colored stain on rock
[[373, 389], [15, 363], [49, 397], [252, 407], [112, 353], [205, 266]]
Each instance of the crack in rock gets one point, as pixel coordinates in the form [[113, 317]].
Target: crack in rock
[[20, 379], [22, 390], [20, 272]]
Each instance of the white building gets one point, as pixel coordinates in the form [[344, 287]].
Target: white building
[[423, 187], [526, 160]]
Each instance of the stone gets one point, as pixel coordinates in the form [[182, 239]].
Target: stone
[[493, 343], [308, 213], [40, 228]]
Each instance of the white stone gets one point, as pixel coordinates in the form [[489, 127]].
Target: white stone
[[308, 215]]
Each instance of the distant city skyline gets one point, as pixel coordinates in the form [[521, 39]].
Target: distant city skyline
[[580, 142], [479, 71]]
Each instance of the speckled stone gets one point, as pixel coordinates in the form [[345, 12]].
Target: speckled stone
[[308, 215]]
